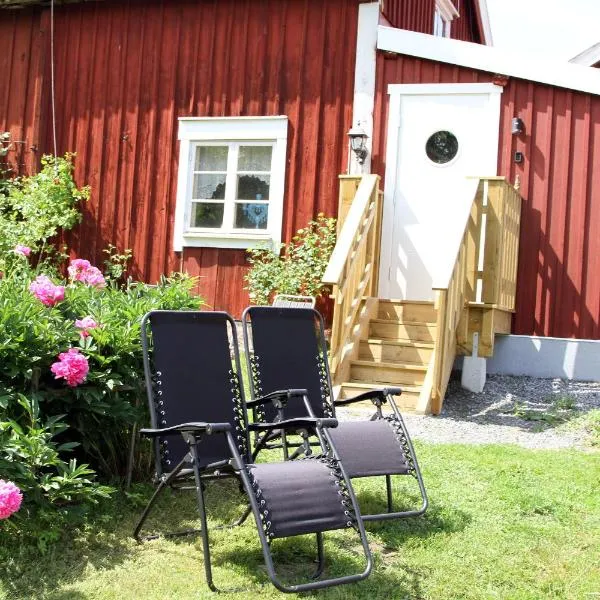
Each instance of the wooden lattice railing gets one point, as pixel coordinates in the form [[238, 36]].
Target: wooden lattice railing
[[354, 265], [501, 205], [483, 274]]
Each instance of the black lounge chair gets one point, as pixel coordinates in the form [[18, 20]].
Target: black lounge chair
[[200, 432], [289, 350]]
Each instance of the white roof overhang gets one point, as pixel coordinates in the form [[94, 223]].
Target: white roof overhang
[[485, 58]]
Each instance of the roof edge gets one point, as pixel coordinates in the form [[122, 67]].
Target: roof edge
[[15, 4], [589, 57], [485, 58]]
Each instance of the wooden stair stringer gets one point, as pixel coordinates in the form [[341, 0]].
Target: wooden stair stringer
[[423, 406]]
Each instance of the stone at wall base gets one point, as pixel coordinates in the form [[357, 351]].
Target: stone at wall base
[[473, 374]]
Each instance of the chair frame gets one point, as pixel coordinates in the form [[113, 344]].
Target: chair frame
[[327, 407], [235, 465]]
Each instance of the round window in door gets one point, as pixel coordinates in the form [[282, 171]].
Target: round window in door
[[441, 147]]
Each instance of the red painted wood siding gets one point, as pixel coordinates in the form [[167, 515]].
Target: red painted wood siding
[[558, 289], [21, 61], [125, 71], [466, 26], [417, 15]]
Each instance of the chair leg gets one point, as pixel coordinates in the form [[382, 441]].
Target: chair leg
[[320, 557], [161, 487], [203, 520], [388, 486], [245, 515], [285, 446], [417, 474]]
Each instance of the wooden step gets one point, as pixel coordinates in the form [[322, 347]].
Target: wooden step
[[397, 330], [407, 311], [407, 400], [368, 371], [395, 351]]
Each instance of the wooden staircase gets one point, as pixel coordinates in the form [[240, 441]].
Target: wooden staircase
[[396, 351], [413, 344]]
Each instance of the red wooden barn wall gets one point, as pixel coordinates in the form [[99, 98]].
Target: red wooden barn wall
[[558, 290], [21, 66], [125, 71], [417, 15]]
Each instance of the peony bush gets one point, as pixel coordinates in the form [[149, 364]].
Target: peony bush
[[74, 347], [71, 382]]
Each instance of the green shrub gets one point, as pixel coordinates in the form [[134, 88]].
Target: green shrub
[[31, 456], [296, 268], [57, 432], [100, 412], [34, 209]]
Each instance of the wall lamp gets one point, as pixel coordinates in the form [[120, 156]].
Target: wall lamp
[[358, 143], [517, 126]]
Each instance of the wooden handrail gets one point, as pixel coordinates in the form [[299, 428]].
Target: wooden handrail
[[484, 272], [354, 264]]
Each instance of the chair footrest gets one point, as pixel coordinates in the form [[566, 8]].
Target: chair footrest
[[370, 448], [302, 496]]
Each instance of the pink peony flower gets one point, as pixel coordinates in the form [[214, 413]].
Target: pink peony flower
[[81, 270], [71, 366], [78, 268], [10, 498], [85, 325], [46, 292], [94, 277], [22, 250]]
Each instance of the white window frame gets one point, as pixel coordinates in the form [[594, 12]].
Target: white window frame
[[233, 132], [445, 13]]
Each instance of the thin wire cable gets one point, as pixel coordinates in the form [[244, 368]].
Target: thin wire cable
[[53, 99]]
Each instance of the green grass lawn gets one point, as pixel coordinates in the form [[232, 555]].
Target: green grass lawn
[[504, 522]]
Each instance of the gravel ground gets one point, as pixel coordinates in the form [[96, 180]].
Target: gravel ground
[[530, 412], [534, 413]]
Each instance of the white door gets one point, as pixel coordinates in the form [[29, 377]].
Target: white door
[[439, 137]]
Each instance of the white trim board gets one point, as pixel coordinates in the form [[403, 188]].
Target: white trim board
[[485, 21], [364, 81], [447, 9], [544, 357], [232, 128], [484, 58], [420, 89]]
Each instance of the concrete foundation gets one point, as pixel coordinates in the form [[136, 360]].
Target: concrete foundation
[[545, 357]]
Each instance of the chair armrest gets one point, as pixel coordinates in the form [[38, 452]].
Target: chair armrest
[[306, 423], [374, 395], [188, 428], [279, 397]]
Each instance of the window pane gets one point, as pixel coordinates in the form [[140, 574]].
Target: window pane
[[209, 187], [255, 158], [251, 216], [441, 147], [253, 187], [211, 158], [207, 215]]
